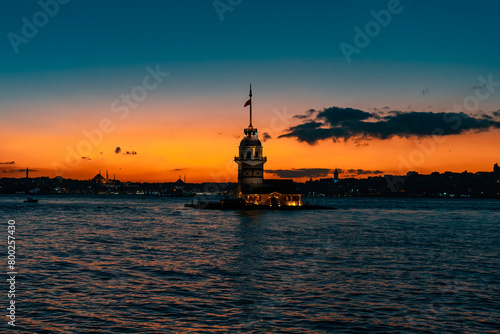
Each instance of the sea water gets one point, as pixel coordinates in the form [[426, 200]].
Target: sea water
[[142, 264]]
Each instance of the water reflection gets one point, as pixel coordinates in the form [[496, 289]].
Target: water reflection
[[150, 265]]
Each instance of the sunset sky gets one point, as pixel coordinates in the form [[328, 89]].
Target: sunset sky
[[150, 90]]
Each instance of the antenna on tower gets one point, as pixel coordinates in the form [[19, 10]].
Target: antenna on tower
[[250, 95]]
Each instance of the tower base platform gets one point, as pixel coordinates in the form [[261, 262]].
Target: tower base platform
[[239, 204]]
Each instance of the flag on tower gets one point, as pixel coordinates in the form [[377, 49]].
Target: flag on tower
[[248, 103]]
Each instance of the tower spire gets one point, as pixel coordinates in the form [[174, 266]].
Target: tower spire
[[250, 95]]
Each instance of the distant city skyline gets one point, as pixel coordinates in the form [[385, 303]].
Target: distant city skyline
[[151, 90]]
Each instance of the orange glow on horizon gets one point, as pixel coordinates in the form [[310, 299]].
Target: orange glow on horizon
[[202, 146]]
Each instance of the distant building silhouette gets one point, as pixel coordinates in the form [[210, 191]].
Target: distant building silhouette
[[99, 179], [179, 181], [496, 169], [251, 184], [336, 174]]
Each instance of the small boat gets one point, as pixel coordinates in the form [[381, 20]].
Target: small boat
[[30, 200]]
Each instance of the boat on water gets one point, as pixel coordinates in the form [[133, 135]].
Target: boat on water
[[30, 200]]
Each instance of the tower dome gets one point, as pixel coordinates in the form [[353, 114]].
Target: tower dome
[[250, 138], [250, 146]]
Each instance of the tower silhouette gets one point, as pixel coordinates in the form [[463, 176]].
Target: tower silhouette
[[250, 159]]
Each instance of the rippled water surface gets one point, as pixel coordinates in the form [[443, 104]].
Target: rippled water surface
[[134, 264]]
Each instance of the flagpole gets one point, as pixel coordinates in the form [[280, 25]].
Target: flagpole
[[250, 105]]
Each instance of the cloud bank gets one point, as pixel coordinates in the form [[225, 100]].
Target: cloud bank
[[319, 172], [11, 170], [301, 172], [347, 123]]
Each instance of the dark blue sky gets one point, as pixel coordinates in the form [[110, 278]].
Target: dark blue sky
[[92, 48], [125, 33]]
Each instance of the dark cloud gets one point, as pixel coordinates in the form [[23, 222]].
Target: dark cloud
[[177, 169], [8, 163], [425, 91], [301, 172], [266, 136], [308, 114], [360, 142], [347, 123], [8, 170], [395, 112], [357, 171], [320, 172], [363, 171], [86, 158], [309, 132], [118, 150], [334, 115], [377, 113]]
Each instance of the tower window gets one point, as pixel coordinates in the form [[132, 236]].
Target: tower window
[[249, 154], [256, 154]]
